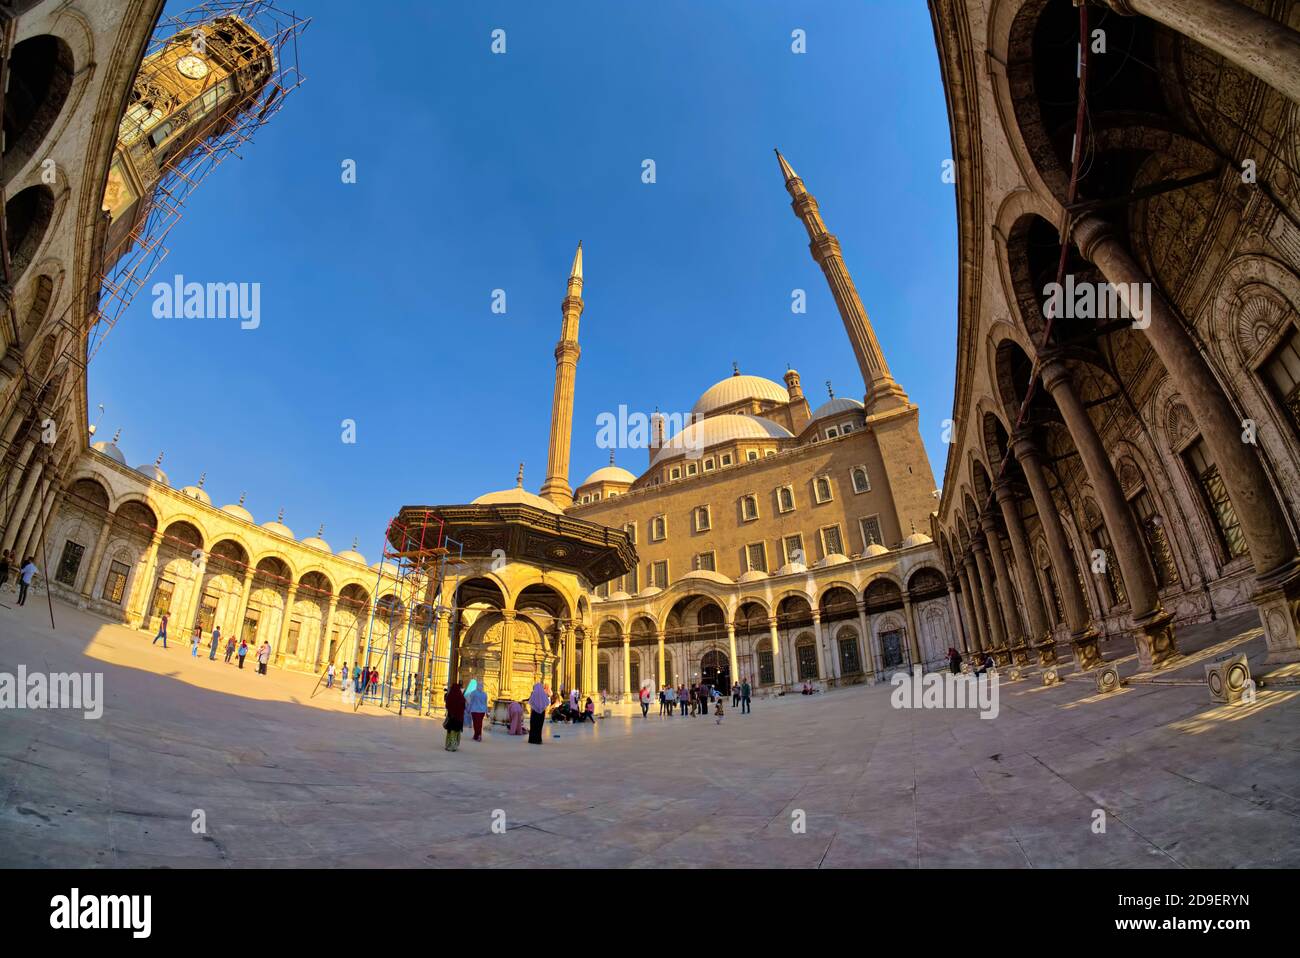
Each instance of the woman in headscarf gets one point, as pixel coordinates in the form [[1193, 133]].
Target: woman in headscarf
[[454, 700], [954, 660], [537, 702], [515, 713], [477, 703]]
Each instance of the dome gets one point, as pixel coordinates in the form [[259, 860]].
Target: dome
[[719, 429], [649, 590], [736, 388], [875, 549], [916, 539], [352, 555], [279, 528], [619, 596], [836, 406], [833, 559], [110, 449], [753, 575], [315, 542], [196, 492], [790, 568], [516, 497], [238, 511], [610, 474], [151, 470], [708, 576]]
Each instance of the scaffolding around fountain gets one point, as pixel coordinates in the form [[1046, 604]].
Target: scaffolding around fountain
[[400, 642]]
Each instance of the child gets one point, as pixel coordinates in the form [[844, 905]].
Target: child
[[717, 710]]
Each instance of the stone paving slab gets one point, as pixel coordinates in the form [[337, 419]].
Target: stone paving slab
[[288, 776]]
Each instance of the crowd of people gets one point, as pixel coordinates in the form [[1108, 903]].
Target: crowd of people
[[26, 571], [683, 701], [234, 649]]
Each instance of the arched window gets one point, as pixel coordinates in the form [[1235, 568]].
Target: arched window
[[1219, 509], [1282, 373], [822, 489], [860, 481], [785, 498], [40, 76]]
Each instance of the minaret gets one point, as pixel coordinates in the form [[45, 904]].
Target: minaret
[[556, 487], [882, 392]]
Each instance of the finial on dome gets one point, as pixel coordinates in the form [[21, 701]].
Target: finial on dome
[[355, 540], [912, 522], [203, 477], [611, 457], [280, 517], [735, 368], [519, 479], [158, 461], [117, 435], [242, 495], [829, 390], [321, 531]]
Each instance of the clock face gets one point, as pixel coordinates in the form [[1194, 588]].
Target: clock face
[[192, 67]]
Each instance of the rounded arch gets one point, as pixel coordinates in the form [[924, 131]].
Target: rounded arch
[[28, 215], [926, 582], [135, 518], [485, 589], [280, 556], [41, 71], [183, 534], [545, 598], [89, 493], [315, 583]]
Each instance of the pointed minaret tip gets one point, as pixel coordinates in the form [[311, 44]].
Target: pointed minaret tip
[[786, 169], [519, 479], [576, 272]]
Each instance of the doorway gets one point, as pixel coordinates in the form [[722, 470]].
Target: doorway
[[715, 670]]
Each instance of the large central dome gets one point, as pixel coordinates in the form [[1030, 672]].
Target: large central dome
[[716, 430], [738, 388]]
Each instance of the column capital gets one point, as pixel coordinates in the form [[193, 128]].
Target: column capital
[[1023, 447], [1091, 231], [508, 614], [772, 622], [816, 616], [990, 526], [1054, 372], [1004, 491]]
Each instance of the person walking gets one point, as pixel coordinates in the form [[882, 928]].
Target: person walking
[[243, 651], [25, 575], [745, 692], [537, 703], [195, 639], [477, 709], [263, 657], [356, 678], [717, 708], [216, 643], [663, 701], [230, 648], [162, 631], [735, 694], [454, 723], [683, 699], [329, 677], [374, 680], [645, 701], [670, 697]]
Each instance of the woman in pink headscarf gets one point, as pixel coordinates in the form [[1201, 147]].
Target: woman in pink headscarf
[[538, 703], [515, 713]]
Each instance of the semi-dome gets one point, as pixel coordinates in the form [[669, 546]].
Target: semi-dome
[[715, 430], [709, 576], [836, 406], [737, 388], [610, 474], [110, 449], [515, 497], [916, 539]]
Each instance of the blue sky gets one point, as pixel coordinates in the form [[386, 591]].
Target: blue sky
[[478, 172]]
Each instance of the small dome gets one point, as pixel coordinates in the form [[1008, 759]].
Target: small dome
[[736, 388], [110, 449], [719, 429], [916, 539], [753, 575], [875, 549], [516, 497], [620, 596], [705, 574], [154, 472], [352, 555], [791, 568], [315, 542], [833, 559], [834, 407], [238, 511], [279, 528], [649, 590], [196, 492], [610, 474]]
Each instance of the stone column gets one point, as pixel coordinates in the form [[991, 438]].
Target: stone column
[[1083, 637], [997, 638], [247, 593], [1244, 37], [441, 637], [589, 662], [284, 623], [143, 588], [15, 476], [29, 537], [913, 634], [1263, 522], [1153, 626], [96, 557], [627, 666], [506, 675], [322, 647], [1015, 640], [817, 645], [974, 606], [20, 508], [659, 639], [955, 612], [778, 662], [1035, 608], [570, 659], [731, 645], [868, 647]]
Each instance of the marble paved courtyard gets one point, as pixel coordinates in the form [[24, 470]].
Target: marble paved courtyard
[[285, 778]]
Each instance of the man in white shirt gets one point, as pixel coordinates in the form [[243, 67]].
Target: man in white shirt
[[25, 579]]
